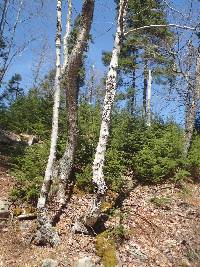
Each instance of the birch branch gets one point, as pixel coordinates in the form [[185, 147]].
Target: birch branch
[[67, 34], [174, 9], [160, 26]]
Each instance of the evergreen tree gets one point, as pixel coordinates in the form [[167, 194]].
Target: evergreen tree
[[145, 49]]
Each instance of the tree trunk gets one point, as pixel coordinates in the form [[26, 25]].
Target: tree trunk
[[133, 97], [45, 233], [54, 134], [189, 125], [144, 106], [191, 109], [72, 89], [91, 86], [67, 34], [98, 164], [148, 109]]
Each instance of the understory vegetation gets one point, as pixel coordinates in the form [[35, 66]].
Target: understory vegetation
[[147, 154]]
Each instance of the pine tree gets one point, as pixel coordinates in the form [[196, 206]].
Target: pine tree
[[145, 49]]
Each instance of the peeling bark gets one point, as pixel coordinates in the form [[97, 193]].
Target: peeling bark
[[133, 96], [191, 109], [111, 82], [148, 108], [72, 89], [67, 34], [45, 233], [144, 100], [54, 133]]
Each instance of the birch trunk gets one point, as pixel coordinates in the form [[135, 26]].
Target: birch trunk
[[149, 99], [72, 89], [54, 133], [45, 232], [144, 107], [111, 82], [191, 109], [189, 125], [67, 34], [133, 96]]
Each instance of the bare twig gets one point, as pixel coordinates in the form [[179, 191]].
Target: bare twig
[[160, 26]]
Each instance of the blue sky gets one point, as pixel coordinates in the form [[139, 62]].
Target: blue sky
[[41, 28]]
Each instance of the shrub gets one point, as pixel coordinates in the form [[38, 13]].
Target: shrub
[[29, 168], [194, 157], [28, 114], [161, 156], [161, 201]]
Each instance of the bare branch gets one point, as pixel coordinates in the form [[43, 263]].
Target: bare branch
[[5, 64], [174, 10], [67, 34], [160, 26]]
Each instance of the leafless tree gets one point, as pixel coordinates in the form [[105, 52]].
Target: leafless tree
[[111, 83], [68, 74]]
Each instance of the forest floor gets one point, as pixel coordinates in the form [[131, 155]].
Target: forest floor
[[156, 226]]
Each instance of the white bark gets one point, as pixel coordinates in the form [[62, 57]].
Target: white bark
[[191, 108], [184, 27], [46, 233], [54, 133], [111, 84], [149, 99], [67, 34], [71, 73]]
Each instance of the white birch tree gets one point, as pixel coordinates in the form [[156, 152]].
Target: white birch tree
[[72, 89], [191, 105], [148, 111], [54, 133], [45, 233], [111, 84], [69, 74]]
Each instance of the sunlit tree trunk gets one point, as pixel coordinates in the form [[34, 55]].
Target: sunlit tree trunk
[[133, 94], [148, 109], [54, 133], [191, 108], [145, 83], [111, 83], [45, 233], [72, 89], [67, 34]]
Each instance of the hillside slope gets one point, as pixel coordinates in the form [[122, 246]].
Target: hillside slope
[[153, 226]]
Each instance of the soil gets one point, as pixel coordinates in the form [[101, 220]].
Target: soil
[[161, 226]]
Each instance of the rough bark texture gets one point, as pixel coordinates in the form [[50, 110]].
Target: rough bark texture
[[72, 88], [144, 104], [98, 177], [54, 134], [148, 111], [191, 108], [67, 34], [45, 233], [133, 96]]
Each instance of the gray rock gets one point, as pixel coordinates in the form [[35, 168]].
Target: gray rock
[[84, 262], [4, 208], [49, 263], [138, 253]]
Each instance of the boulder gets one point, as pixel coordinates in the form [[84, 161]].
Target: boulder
[[7, 137], [84, 262], [4, 208], [49, 263]]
